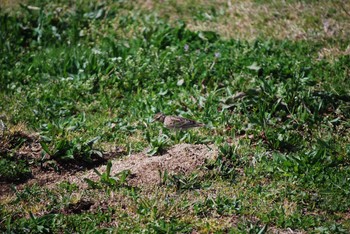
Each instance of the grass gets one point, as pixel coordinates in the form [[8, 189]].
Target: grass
[[294, 20], [269, 80]]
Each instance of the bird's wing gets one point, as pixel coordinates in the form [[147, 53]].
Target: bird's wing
[[180, 122]]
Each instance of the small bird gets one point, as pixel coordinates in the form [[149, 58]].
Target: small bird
[[176, 122]]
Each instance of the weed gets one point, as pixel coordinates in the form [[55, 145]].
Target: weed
[[157, 144], [183, 182], [74, 152], [109, 182], [226, 164], [221, 205]]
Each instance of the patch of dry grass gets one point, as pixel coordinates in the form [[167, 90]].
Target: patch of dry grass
[[10, 4], [332, 53], [247, 19]]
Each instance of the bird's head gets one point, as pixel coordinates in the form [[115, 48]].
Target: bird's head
[[159, 117]]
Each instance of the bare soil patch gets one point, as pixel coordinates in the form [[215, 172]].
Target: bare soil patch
[[146, 170]]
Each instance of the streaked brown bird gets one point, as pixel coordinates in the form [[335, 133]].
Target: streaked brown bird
[[176, 122]]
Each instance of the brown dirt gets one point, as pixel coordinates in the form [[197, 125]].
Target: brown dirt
[[145, 170]]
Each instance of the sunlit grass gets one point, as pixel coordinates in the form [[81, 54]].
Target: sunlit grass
[[87, 78]]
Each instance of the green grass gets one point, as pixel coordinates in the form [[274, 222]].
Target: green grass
[[90, 76]]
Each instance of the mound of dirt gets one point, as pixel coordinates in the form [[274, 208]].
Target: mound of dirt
[[180, 159], [145, 170]]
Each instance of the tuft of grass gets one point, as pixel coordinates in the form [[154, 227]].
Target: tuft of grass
[[108, 181]]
